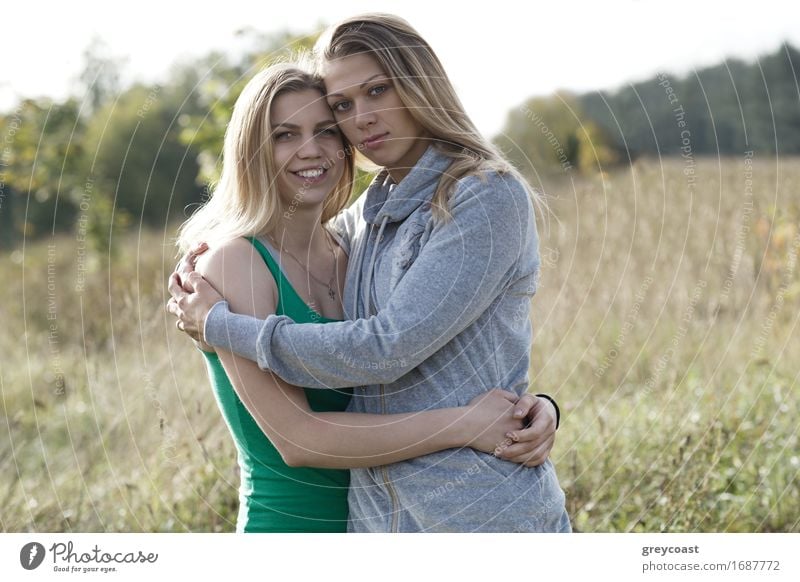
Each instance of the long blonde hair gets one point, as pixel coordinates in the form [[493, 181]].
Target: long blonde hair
[[245, 202], [425, 89]]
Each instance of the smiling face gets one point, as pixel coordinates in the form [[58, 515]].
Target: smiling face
[[307, 148], [369, 111]]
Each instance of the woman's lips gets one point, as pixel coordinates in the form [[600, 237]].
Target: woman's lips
[[310, 179], [374, 141]]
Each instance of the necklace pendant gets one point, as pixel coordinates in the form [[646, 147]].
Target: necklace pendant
[[332, 294]]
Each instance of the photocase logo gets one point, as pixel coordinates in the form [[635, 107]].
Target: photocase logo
[[31, 555]]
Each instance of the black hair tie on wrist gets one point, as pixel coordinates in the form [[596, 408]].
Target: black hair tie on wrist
[[558, 410]]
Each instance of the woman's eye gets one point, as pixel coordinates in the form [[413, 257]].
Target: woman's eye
[[284, 135], [329, 131], [340, 106], [377, 90]]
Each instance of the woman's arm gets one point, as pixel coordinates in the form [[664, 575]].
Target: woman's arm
[[338, 439], [464, 266]]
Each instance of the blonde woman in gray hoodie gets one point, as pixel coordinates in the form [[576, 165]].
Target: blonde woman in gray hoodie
[[443, 262]]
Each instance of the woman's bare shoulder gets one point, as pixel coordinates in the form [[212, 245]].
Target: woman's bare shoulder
[[236, 269]]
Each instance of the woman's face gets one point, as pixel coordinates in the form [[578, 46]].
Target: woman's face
[[307, 148], [369, 111]]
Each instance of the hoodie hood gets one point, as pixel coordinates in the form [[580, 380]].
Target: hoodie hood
[[390, 202]]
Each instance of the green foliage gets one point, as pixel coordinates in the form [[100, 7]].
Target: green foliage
[[549, 134], [120, 156], [362, 181], [43, 146], [133, 150], [728, 108]]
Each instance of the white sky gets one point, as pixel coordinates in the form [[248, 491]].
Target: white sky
[[497, 52]]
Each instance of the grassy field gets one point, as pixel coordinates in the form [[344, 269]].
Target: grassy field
[[665, 326]]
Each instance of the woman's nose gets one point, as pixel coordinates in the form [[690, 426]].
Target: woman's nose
[[309, 149], [364, 118]]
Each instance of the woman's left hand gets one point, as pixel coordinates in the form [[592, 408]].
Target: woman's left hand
[[531, 446], [191, 301], [489, 417]]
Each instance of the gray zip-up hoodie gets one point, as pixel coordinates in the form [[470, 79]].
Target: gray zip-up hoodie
[[439, 313]]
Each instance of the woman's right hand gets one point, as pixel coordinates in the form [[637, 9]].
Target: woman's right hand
[[489, 418], [179, 285], [187, 265]]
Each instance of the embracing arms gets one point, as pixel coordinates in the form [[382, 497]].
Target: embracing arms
[[340, 439], [481, 241]]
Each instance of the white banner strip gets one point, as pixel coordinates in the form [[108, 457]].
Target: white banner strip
[[352, 557]]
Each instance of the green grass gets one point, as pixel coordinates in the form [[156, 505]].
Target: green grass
[[665, 326]]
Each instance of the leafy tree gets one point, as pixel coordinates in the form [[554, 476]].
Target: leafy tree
[[41, 154], [554, 134], [726, 109], [134, 153]]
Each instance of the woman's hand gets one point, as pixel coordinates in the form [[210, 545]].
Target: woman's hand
[[188, 261], [489, 418], [532, 445], [192, 296]]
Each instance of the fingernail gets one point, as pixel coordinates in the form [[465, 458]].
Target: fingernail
[[497, 452], [518, 412]]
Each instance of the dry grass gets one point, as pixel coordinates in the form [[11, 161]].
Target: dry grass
[[664, 327], [665, 324]]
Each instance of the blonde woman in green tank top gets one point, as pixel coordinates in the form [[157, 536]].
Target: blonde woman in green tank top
[[287, 171]]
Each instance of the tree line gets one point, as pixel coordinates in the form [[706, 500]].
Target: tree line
[[114, 157], [726, 109]]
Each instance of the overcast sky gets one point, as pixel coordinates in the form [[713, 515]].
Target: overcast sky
[[497, 52]]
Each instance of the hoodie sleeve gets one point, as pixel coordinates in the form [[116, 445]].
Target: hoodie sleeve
[[466, 264]]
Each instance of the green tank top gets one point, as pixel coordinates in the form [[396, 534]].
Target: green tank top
[[274, 497]]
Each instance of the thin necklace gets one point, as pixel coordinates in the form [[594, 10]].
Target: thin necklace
[[329, 284]]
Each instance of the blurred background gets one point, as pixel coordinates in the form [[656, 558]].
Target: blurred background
[[665, 138]]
